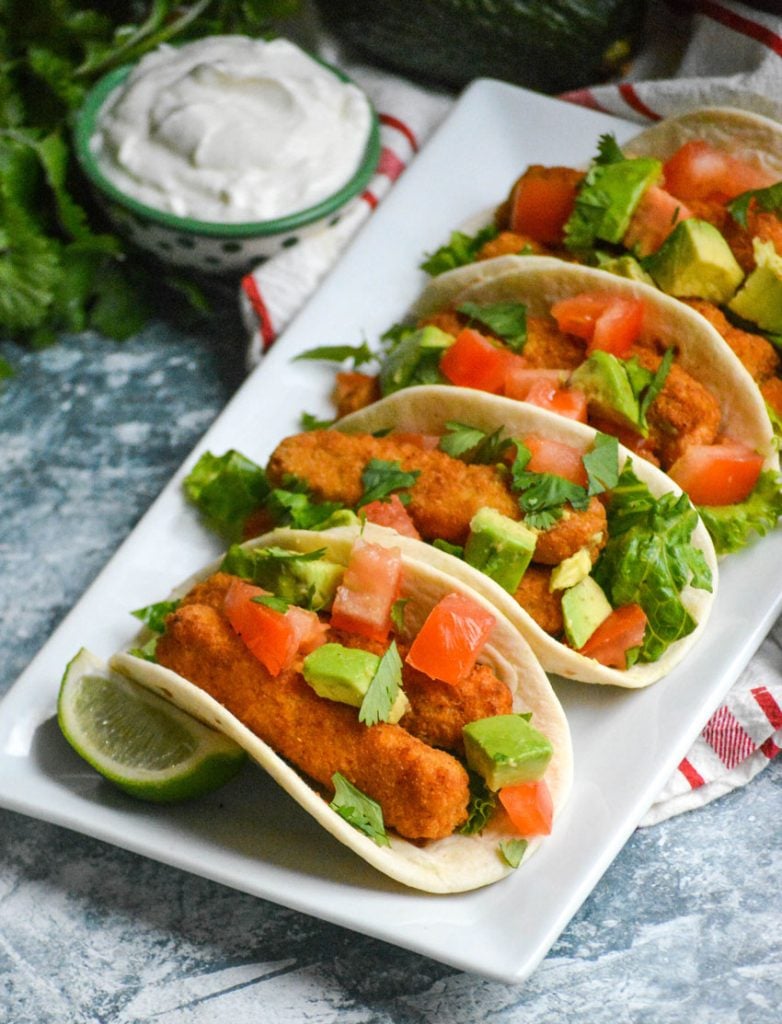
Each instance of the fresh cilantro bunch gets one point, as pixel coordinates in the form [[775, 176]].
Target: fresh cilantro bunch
[[60, 269]]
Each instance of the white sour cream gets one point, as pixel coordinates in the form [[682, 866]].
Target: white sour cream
[[231, 129]]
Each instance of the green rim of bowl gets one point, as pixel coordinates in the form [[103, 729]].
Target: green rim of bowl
[[84, 126]]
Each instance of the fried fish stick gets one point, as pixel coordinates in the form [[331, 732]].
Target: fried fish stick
[[438, 711], [443, 500], [423, 792]]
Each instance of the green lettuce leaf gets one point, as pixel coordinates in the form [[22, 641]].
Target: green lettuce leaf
[[226, 489], [460, 250], [732, 527], [650, 558]]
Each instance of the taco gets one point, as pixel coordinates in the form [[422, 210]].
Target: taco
[[691, 206], [608, 351], [595, 555], [366, 681]]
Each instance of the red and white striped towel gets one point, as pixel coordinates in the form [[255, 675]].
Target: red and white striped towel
[[710, 52]]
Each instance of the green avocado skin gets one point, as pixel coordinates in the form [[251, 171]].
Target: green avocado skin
[[549, 47]]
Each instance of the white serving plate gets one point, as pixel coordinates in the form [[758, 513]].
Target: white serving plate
[[252, 836]]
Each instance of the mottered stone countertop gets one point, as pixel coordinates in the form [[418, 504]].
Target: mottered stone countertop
[[685, 926]]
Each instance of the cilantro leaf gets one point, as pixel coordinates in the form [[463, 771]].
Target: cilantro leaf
[[608, 151], [508, 320], [358, 809], [311, 422], [734, 526], [398, 614], [649, 559], [383, 689], [650, 391], [543, 496], [277, 604], [461, 441], [460, 250], [382, 478], [769, 200], [298, 509], [358, 354]]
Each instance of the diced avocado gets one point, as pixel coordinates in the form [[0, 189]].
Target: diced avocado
[[415, 357], [760, 299], [625, 266], [571, 571], [340, 673], [695, 261], [399, 708], [500, 547], [506, 750], [312, 584], [584, 607], [342, 517], [607, 200], [604, 380]]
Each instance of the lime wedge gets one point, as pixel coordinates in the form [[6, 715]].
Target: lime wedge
[[135, 739]]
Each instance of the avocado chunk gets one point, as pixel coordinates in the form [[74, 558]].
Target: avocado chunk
[[500, 547], [760, 299], [414, 360], [584, 607], [571, 570], [605, 381], [607, 200], [506, 750], [695, 261], [625, 266], [340, 673]]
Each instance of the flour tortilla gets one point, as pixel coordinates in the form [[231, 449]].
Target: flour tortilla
[[540, 281], [750, 137], [428, 409], [455, 864]]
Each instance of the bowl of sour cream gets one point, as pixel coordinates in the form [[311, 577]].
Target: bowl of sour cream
[[216, 154]]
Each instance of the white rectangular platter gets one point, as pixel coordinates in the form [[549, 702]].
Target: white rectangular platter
[[252, 836]]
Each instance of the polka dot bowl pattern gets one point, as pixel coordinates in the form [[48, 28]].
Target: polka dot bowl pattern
[[207, 246]]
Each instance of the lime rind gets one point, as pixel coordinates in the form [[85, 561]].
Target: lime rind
[[144, 745]]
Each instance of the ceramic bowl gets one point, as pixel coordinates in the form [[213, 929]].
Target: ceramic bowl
[[208, 246]]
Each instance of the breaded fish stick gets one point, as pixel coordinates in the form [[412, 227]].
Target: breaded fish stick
[[443, 499], [423, 792]]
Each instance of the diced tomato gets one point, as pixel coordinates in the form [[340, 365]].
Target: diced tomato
[[700, 171], [717, 474], [611, 323], [520, 378], [653, 219], [529, 807], [391, 513], [550, 456], [563, 401], [273, 637], [542, 201], [451, 638], [370, 585], [475, 362], [615, 636]]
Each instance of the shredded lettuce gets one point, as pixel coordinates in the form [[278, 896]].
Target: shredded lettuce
[[650, 558], [226, 489], [732, 527]]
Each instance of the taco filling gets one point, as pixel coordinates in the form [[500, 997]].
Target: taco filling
[[386, 706], [677, 209], [568, 530]]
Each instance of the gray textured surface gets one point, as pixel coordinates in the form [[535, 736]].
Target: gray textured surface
[[686, 926]]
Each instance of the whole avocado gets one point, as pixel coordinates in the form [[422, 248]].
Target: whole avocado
[[546, 46]]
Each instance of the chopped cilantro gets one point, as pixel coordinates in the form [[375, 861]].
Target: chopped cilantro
[[382, 478], [508, 320], [383, 689], [277, 604], [542, 496], [309, 421], [358, 809], [450, 549], [608, 151], [398, 614], [602, 464], [472, 445], [358, 354], [769, 200], [154, 615]]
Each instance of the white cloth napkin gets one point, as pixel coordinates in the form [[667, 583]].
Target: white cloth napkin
[[727, 54]]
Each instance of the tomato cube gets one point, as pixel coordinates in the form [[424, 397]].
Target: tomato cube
[[370, 585], [391, 513], [615, 636], [717, 474], [529, 807], [451, 638], [475, 362]]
